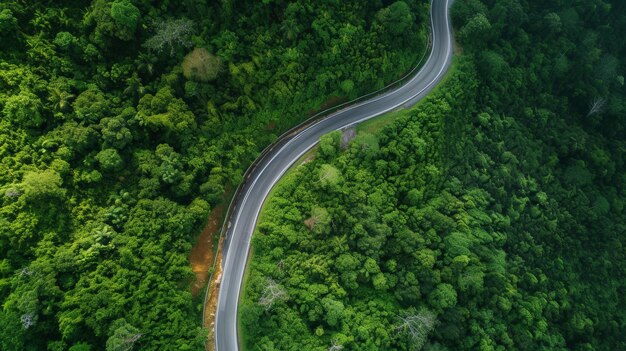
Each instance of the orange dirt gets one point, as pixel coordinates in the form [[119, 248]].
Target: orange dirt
[[211, 303], [202, 253]]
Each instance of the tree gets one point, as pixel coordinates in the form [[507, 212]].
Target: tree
[[444, 296], [472, 279], [41, 184], [126, 17], [347, 135], [75, 137], [335, 345], [329, 143], [12, 337], [320, 220], [334, 311], [24, 109], [552, 23], [64, 40], [110, 160], [347, 266], [8, 22], [596, 106], [416, 325], [164, 112], [117, 18], [464, 10], [347, 86], [329, 175], [59, 97], [476, 32], [114, 132], [493, 63], [170, 35], [202, 66], [91, 105], [28, 320], [272, 293], [396, 19], [81, 346], [170, 169], [123, 336], [367, 144]]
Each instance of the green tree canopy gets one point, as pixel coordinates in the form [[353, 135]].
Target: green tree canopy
[[24, 109], [110, 160], [41, 184], [126, 17], [396, 19]]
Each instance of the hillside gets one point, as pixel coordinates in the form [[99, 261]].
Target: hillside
[[124, 122], [489, 217]]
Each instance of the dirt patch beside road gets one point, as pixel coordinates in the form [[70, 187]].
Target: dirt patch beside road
[[203, 252], [211, 302]]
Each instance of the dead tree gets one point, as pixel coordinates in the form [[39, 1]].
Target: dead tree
[[12, 193], [124, 337], [596, 106], [28, 320], [26, 272], [133, 338], [170, 35], [336, 346], [416, 326], [272, 292]]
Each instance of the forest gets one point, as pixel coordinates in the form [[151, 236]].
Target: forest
[[488, 217], [124, 122]]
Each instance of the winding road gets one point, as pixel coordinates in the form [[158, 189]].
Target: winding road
[[273, 164]]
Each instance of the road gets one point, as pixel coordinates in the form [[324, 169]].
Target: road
[[273, 164]]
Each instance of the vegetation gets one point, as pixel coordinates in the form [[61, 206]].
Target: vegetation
[[123, 121], [490, 217]]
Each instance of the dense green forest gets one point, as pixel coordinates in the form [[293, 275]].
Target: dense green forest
[[123, 122], [489, 217]]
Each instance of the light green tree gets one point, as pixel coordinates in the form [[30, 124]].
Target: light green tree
[[40, 184], [202, 66]]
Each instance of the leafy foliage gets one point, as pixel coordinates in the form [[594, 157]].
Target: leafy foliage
[[114, 147], [490, 217]]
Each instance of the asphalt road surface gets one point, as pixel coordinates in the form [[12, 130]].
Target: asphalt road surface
[[273, 164]]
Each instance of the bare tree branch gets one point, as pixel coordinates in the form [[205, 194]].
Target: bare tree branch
[[272, 292], [170, 34], [11, 193], [336, 346], [26, 271], [596, 106], [132, 339], [416, 326], [28, 320]]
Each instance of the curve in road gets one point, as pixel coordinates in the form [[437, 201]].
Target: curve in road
[[275, 163]]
